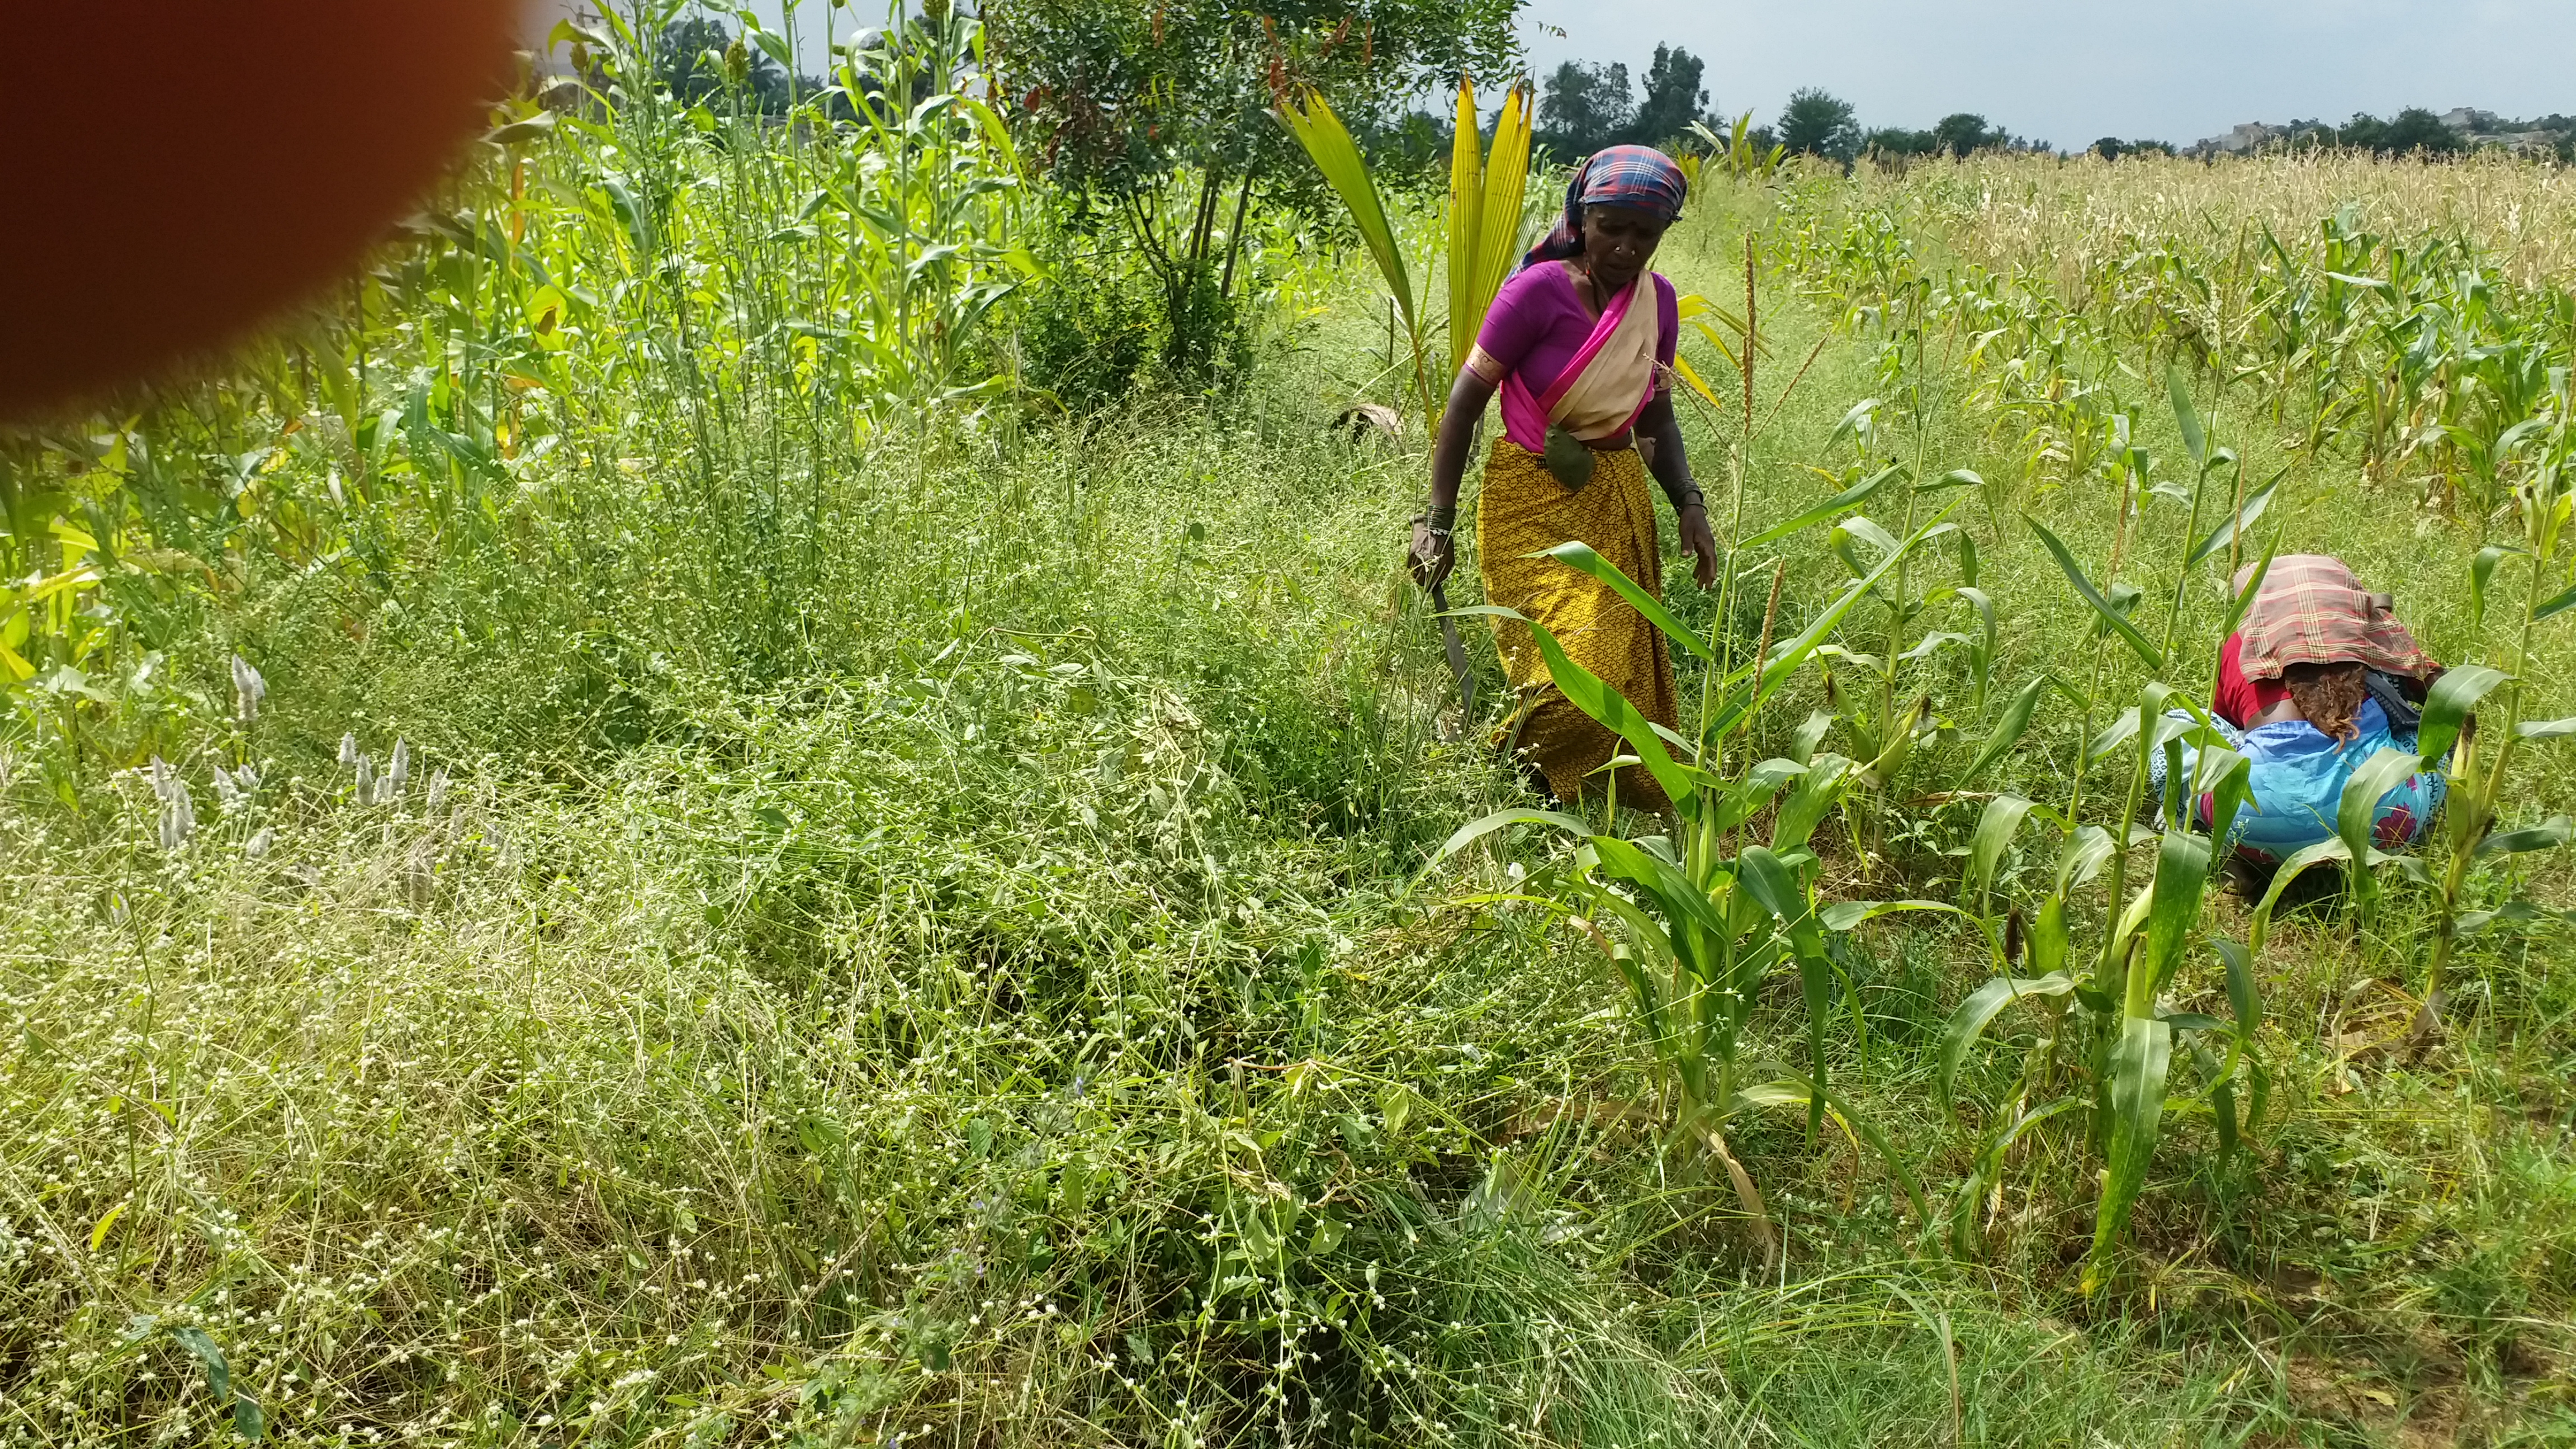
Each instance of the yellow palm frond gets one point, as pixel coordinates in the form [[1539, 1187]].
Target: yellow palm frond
[[1466, 215], [1335, 154], [1506, 181]]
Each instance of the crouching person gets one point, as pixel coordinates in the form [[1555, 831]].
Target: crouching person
[[2321, 678]]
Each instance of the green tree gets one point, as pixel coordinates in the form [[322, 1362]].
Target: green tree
[[2108, 148], [1963, 133], [1674, 98], [1816, 123], [2418, 130], [1896, 141], [1583, 107], [2364, 131], [2413, 130], [698, 57], [1150, 118]]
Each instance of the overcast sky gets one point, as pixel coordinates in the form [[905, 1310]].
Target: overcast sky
[[2067, 71]]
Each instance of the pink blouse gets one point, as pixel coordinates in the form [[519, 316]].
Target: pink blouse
[[1538, 323]]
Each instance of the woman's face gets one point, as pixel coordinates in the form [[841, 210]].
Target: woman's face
[[1618, 241]]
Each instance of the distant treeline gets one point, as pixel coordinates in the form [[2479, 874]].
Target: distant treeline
[[1584, 106], [2416, 130]]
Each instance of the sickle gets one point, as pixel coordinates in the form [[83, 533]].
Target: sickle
[[1457, 651]]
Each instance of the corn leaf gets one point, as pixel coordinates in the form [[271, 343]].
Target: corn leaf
[[2182, 877], [1795, 1090], [1682, 902], [2241, 996], [2512, 913], [2195, 440], [2260, 928], [1982, 1006], [1689, 375], [2008, 730], [1476, 830], [1590, 694], [1718, 340], [1466, 216], [1770, 882], [2082, 856], [2140, 1061], [2447, 706], [2256, 503], [1818, 791], [1849, 915], [1739, 801], [2481, 570], [2555, 607], [2377, 776], [2083, 586], [1580, 557], [1786, 659], [1850, 497], [1498, 232], [1989, 1166], [2547, 835], [1854, 421], [1995, 829], [2253, 587]]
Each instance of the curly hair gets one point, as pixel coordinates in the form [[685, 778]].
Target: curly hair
[[2329, 695]]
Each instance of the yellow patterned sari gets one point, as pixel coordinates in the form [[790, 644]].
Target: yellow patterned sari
[[1521, 509]]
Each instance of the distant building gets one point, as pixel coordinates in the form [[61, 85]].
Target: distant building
[[2481, 128], [2521, 141], [2251, 136], [2474, 126]]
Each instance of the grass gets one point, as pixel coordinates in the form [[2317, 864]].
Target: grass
[[1007, 1012]]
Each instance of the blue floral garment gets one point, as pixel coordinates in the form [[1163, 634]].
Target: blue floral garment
[[2297, 776]]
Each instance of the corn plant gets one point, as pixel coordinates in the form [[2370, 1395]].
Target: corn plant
[[2114, 1021], [1888, 721], [1695, 922], [1735, 152], [2108, 1038], [2479, 756]]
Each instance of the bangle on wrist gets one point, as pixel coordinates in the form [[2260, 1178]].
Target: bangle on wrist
[[1440, 520], [1690, 498]]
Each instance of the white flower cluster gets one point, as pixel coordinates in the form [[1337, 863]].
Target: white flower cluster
[[178, 807], [249, 690]]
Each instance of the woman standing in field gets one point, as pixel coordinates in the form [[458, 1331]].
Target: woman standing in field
[[1580, 343]]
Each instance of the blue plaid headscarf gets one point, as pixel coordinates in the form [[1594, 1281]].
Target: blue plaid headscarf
[[1634, 176]]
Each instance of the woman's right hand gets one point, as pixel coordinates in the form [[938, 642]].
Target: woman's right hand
[[1434, 551], [1433, 554]]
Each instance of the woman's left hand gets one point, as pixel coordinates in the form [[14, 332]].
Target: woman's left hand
[[1700, 544]]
